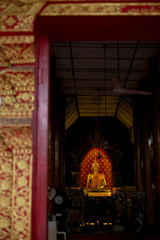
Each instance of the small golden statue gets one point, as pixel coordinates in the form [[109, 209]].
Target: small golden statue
[[95, 180]]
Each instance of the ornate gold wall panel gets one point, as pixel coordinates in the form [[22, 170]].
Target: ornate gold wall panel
[[17, 87], [17, 93], [15, 182], [16, 50], [16, 53], [6, 169], [19, 15], [16, 39], [101, 9]]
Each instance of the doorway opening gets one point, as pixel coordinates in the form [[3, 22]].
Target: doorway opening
[[84, 75], [61, 36]]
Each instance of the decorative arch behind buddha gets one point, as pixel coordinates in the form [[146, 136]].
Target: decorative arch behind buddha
[[104, 162]]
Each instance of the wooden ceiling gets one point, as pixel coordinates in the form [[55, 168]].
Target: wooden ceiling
[[87, 71]]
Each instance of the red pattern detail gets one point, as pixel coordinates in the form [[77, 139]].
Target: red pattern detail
[[6, 195], [13, 20], [105, 166]]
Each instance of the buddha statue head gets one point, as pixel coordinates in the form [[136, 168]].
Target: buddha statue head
[[95, 166]]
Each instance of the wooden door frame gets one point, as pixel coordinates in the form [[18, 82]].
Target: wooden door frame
[[41, 141], [75, 31]]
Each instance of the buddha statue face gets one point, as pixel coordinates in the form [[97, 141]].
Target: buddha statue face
[[95, 166]]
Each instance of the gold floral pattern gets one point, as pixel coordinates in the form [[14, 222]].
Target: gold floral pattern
[[101, 9], [22, 39], [17, 137], [19, 15], [17, 92], [15, 182], [6, 168], [17, 53]]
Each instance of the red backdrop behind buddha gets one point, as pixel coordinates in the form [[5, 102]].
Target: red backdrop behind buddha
[[104, 162]]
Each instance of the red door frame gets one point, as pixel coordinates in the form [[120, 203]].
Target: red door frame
[[41, 141], [67, 29]]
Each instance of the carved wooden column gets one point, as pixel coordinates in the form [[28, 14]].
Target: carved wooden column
[[137, 142], [156, 126]]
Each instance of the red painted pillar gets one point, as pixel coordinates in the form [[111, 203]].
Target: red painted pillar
[[40, 142]]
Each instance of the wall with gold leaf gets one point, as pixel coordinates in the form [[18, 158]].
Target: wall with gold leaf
[[17, 104], [104, 162], [17, 90], [17, 81], [17, 93], [15, 182]]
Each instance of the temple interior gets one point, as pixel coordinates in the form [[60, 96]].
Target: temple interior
[[79, 119], [101, 94]]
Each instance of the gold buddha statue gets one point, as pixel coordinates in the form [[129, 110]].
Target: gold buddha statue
[[95, 180]]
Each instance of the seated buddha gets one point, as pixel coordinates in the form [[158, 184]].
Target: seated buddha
[[95, 180]]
